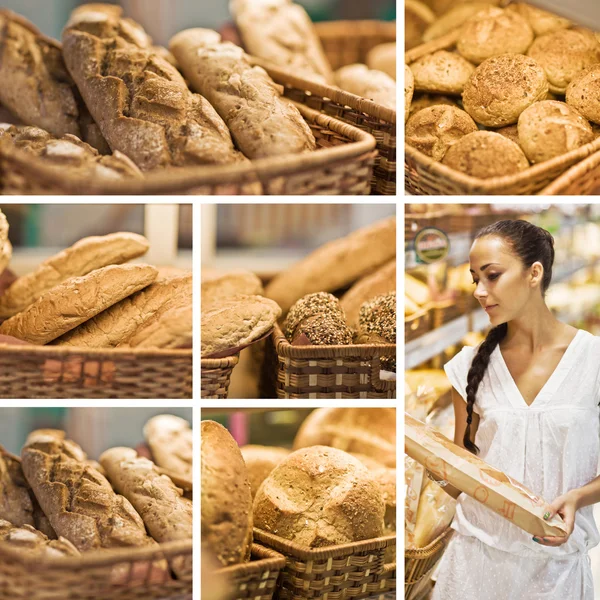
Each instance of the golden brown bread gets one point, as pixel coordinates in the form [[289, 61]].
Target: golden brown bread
[[217, 285], [319, 303], [34, 542], [170, 441], [377, 320], [170, 328], [260, 461], [541, 21], [421, 101], [583, 93], [442, 72], [15, 500], [417, 18], [370, 84], [5, 245], [409, 90]]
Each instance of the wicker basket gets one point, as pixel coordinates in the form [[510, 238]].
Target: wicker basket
[[355, 570], [348, 42], [418, 563], [580, 180], [216, 375], [257, 579], [343, 164], [417, 324], [60, 372], [351, 371], [91, 577], [423, 175]]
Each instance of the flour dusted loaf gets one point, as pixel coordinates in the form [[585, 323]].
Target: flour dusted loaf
[[261, 122], [370, 84], [318, 497], [170, 441], [75, 301], [260, 461], [226, 503], [85, 256], [5, 245], [34, 542]]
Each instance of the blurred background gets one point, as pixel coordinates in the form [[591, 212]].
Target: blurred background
[[164, 18]]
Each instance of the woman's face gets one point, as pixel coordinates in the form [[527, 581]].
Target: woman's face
[[503, 285]]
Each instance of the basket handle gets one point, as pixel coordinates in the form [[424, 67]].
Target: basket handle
[[376, 381]]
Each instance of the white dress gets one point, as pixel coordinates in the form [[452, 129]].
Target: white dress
[[552, 447]]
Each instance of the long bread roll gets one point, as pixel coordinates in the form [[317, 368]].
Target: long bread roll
[[170, 440]]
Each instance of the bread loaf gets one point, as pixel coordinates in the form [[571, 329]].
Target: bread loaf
[[261, 122], [377, 320], [336, 264], [170, 441], [379, 282], [260, 461], [235, 322], [322, 330], [34, 542], [226, 504], [370, 84], [37, 87], [169, 328], [282, 33], [75, 301], [217, 285], [311, 305], [87, 255], [141, 102], [319, 497], [5, 245], [386, 478], [15, 501], [383, 58], [119, 323], [369, 431]]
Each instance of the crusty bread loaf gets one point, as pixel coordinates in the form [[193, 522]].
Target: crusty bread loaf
[[369, 431], [36, 85], [311, 305], [319, 497], [75, 301], [377, 320], [260, 461], [383, 58], [170, 441], [261, 122], [34, 542], [282, 33], [226, 503], [5, 245], [322, 330], [236, 321], [386, 478], [336, 264], [217, 285], [370, 84], [169, 328], [141, 102], [117, 324], [87, 255]]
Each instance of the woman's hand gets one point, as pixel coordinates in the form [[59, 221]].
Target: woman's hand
[[566, 506]]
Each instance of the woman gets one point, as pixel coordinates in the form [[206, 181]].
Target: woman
[[526, 401]]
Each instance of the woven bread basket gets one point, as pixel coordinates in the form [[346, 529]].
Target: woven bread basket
[[216, 376], [341, 572], [351, 371], [342, 164], [580, 180], [91, 576], [60, 372]]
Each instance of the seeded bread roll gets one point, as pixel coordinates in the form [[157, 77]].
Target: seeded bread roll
[[226, 504], [85, 256], [319, 497], [310, 305], [217, 285], [373, 85], [409, 89], [501, 88], [583, 93], [435, 129], [322, 330], [383, 58], [170, 441], [34, 542], [5, 245], [260, 461], [261, 122], [441, 72], [377, 320], [549, 128], [541, 21], [453, 18]]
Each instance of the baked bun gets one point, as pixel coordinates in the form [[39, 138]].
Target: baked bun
[[511, 132], [322, 330], [485, 154], [417, 17], [492, 32], [501, 88], [549, 128], [583, 93], [435, 129], [260, 461], [409, 88], [541, 21], [383, 58], [422, 101], [442, 72], [320, 497], [565, 53], [5, 245], [310, 305], [217, 285], [452, 19], [376, 86], [377, 325]]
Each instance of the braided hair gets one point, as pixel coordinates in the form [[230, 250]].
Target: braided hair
[[531, 244]]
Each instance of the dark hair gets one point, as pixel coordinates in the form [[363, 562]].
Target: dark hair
[[531, 244]]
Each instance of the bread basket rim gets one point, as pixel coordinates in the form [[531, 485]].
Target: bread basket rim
[[271, 560], [220, 363], [431, 548], [579, 169], [92, 353]]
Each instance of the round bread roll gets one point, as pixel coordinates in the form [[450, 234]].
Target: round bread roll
[[368, 431], [260, 461], [319, 497], [426, 100], [541, 21], [417, 17], [433, 130], [309, 306], [370, 84], [442, 72], [383, 58], [322, 330], [370, 463], [565, 53], [549, 128], [377, 320], [409, 88], [493, 32], [501, 88], [453, 18], [583, 93], [485, 154], [5, 245], [226, 501], [511, 132]]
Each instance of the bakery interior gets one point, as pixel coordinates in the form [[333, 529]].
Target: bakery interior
[[500, 97], [305, 460], [67, 474], [441, 316], [261, 263], [184, 146], [64, 250]]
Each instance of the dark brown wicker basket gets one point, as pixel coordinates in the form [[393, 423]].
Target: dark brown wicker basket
[[216, 375], [355, 570], [60, 372]]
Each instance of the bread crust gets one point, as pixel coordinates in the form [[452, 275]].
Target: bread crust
[[170, 440], [260, 461], [34, 542], [376, 86], [583, 93], [442, 72]]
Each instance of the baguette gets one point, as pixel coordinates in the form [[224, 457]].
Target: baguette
[[373, 85], [336, 264], [141, 102], [170, 441], [34, 542], [5, 245], [247, 99], [87, 255], [37, 87], [283, 34]]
